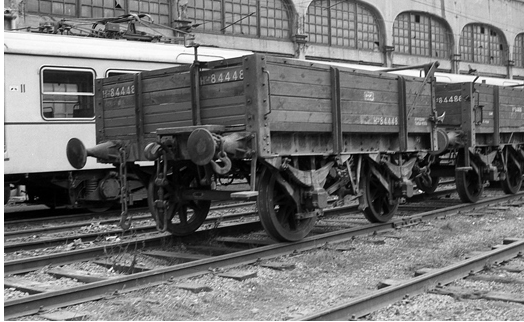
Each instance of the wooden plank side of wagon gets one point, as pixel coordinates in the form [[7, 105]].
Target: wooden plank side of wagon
[[368, 103], [116, 101], [300, 97], [223, 102], [487, 110], [511, 101], [449, 100]]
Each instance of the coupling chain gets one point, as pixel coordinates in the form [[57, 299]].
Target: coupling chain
[[160, 204], [125, 222]]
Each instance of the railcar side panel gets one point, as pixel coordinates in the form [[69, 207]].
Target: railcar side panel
[[306, 98], [488, 115], [292, 107]]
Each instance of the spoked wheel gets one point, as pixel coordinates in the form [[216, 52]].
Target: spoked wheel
[[513, 181], [381, 206], [427, 187], [469, 183], [183, 216], [278, 211]]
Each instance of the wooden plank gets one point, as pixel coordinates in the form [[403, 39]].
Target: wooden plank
[[496, 279], [109, 114], [279, 266], [194, 287], [304, 104], [278, 116], [506, 297], [28, 286], [167, 96], [121, 121], [168, 108], [176, 255], [301, 75], [262, 242], [80, 276], [119, 132], [368, 95], [165, 82], [279, 88], [239, 275], [221, 90], [122, 102], [65, 316], [224, 102], [124, 268], [383, 82]]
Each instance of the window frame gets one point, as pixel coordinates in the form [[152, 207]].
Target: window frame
[[83, 10], [518, 50], [421, 23], [43, 69], [352, 38], [224, 11], [471, 41]]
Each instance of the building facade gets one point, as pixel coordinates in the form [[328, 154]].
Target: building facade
[[484, 37]]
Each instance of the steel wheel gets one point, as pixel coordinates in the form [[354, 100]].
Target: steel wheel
[[513, 181], [381, 206], [277, 211], [425, 186], [469, 183], [100, 206], [184, 216]]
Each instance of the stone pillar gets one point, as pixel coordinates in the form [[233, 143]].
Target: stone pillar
[[455, 63], [388, 55], [300, 38]]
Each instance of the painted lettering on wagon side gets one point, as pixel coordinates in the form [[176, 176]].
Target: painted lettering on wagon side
[[449, 99], [230, 75], [378, 120], [118, 91], [421, 121]]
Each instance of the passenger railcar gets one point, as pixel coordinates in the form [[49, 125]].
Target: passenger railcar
[[49, 91], [302, 134]]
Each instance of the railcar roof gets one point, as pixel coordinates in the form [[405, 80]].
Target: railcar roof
[[98, 48]]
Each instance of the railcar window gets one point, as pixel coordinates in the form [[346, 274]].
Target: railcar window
[[115, 72], [67, 93]]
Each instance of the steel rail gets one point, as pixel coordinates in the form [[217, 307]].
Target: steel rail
[[24, 265], [35, 244], [374, 301], [97, 290], [112, 213]]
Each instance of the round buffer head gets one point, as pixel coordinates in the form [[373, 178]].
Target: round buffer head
[[76, 153], [201, 146]]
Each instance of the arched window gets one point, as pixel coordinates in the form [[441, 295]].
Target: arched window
[[255, 18], [482, 44], [342, 23], [518, 50], [421, 34], [158, 9]]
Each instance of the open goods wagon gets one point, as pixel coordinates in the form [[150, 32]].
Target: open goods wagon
[[485, 137], [301, 134]]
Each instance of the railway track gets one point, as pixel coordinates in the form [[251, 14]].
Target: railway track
[[265, 251], [75, 227], [434, 280]]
